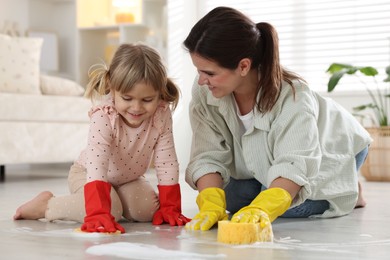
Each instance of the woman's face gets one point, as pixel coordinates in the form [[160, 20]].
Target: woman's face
[[138, 104], [220, 81]]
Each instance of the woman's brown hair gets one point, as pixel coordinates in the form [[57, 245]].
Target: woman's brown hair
[[226, 36]]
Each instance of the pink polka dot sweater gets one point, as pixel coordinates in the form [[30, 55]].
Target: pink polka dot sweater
[[118, 154]]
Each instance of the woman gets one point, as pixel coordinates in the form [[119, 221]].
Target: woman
[[264, 145]]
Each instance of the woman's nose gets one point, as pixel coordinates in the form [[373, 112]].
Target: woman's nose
[[202, 79]]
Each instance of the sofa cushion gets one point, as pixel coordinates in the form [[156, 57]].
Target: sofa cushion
[[42, 108], [19, 64], [52, 85]]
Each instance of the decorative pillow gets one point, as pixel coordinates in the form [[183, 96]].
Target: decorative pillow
[[51, 85], [19, 64]]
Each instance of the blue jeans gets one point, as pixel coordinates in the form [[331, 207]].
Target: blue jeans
[[240, 193]]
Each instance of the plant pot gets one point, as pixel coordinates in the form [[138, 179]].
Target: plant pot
[[377, 164]]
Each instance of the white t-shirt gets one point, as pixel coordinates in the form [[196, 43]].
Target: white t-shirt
[[246, 120]]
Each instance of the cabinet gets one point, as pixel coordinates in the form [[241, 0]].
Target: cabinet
[[104, 24]]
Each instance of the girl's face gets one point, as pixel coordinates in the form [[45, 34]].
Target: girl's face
[[138, 104], [220, 81]]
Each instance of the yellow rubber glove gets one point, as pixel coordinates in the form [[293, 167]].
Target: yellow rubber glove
[[212, 208], [265, 208]]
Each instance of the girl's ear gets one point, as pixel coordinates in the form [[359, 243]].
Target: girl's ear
[[244, 66]]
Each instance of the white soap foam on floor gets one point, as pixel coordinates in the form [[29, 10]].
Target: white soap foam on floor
[[144, 251], [288, 243], [72, 233]]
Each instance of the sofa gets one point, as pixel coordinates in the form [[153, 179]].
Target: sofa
[[43, 118]]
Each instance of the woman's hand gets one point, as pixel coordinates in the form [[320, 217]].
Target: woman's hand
[[212, 208]]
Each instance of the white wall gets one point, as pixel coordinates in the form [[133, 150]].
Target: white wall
[[58, 17], [46, 15], [182, 16], [14, 11]]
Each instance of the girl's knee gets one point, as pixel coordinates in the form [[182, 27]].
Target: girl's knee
[[144, 213], [139, 200], [116, 206], [142, 207], [77, 178]]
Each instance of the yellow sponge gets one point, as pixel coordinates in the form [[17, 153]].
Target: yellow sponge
[[243, 233]]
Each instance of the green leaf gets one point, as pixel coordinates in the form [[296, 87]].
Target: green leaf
[[335, 67], [368, 71], [334, 79], [363, 107], [388, 74], [383, 121], [352, 70]]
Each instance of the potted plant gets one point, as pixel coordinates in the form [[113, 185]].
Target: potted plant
[[378, 160]]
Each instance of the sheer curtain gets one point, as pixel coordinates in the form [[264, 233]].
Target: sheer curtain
[[314, 34]]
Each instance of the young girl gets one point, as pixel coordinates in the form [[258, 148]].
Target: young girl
[[131, 126], [264, 144]]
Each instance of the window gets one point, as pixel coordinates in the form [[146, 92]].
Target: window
[[314, 34]]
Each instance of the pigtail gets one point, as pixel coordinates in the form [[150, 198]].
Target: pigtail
[[171, 94], [271, 72], [98, 81]]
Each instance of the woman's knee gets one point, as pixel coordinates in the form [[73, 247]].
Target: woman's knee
[[361, 157], [240, 193], [307, 209]]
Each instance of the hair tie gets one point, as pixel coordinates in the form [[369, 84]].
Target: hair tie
[[98, 69], [257, 30]]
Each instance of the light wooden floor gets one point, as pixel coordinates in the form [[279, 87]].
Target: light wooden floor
[[364, 234]]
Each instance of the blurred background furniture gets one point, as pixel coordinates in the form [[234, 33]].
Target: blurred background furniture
[[43, 118]]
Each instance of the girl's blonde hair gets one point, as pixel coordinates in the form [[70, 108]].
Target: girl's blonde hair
[[132, 64]]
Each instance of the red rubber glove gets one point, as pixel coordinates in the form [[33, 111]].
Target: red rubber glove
[[98, 209], [170, 207]]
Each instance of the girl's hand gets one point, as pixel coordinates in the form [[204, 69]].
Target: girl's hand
[[101, 223], [170, 207], [98, 208]]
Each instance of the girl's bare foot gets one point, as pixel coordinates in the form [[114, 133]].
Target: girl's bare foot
[[360, 202], [35, 208]]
